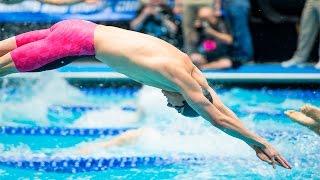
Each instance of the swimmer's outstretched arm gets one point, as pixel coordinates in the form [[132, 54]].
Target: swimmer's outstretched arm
[[125, 138], [224, 119]]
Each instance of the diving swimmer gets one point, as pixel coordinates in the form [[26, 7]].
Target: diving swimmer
[[141, 57], [309, 117]]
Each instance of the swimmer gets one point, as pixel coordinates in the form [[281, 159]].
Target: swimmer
[[127, 138], [141, 57], [309, 117]]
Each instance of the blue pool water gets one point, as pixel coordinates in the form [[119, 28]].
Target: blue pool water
[[260, 109]]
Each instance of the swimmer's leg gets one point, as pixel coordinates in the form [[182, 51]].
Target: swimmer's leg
[[304, 120], [7, 45], [12, 43], [39, 56], [311, 111], [6, 65], [31, 36], [65, 39], [60, 63]]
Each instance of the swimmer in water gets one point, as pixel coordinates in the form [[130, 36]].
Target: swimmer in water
[[141, 57], [309, 117], [127, 138]]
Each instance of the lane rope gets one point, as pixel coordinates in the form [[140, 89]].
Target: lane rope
[[93, 164], [59, 131]]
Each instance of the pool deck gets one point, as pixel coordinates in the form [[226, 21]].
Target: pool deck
[[269, 73]]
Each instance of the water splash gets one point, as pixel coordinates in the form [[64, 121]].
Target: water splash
[[173, 134], [35, 97], [113, 117]]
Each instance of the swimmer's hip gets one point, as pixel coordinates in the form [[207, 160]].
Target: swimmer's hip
[[50, 48]]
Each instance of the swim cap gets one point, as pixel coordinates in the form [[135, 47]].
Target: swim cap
[[189, 111]]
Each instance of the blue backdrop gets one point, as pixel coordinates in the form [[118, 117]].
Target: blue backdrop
[[35, 11]]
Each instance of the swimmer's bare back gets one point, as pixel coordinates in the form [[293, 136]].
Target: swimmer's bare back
[[141, 57]]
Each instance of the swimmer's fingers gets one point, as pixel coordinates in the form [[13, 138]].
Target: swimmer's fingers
[[300, 118], [282, 161], [273, 160]]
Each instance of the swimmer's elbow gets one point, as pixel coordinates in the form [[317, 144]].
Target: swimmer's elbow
[[199, 99], [220, 121], [224, 122]]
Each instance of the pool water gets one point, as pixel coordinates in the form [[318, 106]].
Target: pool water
[[260, 109]]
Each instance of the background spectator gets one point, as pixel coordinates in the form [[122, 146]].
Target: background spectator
[[190, 8], [178, 13], [156, 18], [237, 13], [214, 41], [309, 29], [178, 8]]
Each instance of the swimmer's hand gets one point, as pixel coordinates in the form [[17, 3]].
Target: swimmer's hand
[[92, 1], [271, 156]]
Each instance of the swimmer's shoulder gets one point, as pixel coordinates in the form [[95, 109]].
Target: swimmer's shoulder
[[180, 63]]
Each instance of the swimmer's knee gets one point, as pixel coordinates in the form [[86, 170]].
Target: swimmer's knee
[[8, 69], [8, 42], [7, 45], [5, 60]]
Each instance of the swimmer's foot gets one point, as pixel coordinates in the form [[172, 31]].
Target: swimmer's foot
[[304, 120], [311, 111], [300, 118], [293, 62], [317, 66]]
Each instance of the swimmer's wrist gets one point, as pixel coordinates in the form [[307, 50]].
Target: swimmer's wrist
[[256, 140]]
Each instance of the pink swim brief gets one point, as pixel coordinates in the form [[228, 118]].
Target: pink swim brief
[[37, 49]]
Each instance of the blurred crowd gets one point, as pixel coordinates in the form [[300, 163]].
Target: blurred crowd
[[309, 29], [214, 33]]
